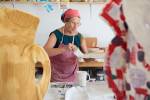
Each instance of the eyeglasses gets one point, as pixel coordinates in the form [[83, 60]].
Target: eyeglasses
[[75, 23]]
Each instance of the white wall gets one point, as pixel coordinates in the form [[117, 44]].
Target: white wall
[[92, 24]]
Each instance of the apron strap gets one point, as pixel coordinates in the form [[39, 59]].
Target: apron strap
[[73, 40], [63, 37]]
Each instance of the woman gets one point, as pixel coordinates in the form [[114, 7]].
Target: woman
[[62, 44]]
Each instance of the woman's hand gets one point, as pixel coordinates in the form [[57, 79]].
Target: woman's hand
[[71, 47]]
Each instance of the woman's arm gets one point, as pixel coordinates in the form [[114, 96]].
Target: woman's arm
[[50, 44], [83, 46]]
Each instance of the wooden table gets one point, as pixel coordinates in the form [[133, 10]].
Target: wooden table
[[93, 63], [96, 59], [87, 64]]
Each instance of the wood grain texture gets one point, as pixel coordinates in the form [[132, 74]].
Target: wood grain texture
[[87, 64]]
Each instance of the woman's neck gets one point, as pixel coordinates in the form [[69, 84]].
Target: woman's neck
[[67, 31]]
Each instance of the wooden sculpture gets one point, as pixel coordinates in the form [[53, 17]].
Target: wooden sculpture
[[19, 57]]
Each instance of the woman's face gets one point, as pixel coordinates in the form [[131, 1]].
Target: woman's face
[[73, 24]]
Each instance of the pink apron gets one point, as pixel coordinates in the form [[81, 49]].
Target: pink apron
[[64, 65]]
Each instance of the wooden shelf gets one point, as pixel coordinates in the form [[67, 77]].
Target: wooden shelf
[[55, 2]]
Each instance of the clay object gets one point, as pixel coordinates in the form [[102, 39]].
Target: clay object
[[19, 56]]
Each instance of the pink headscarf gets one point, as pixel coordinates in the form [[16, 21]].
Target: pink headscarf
[[69, 14]]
